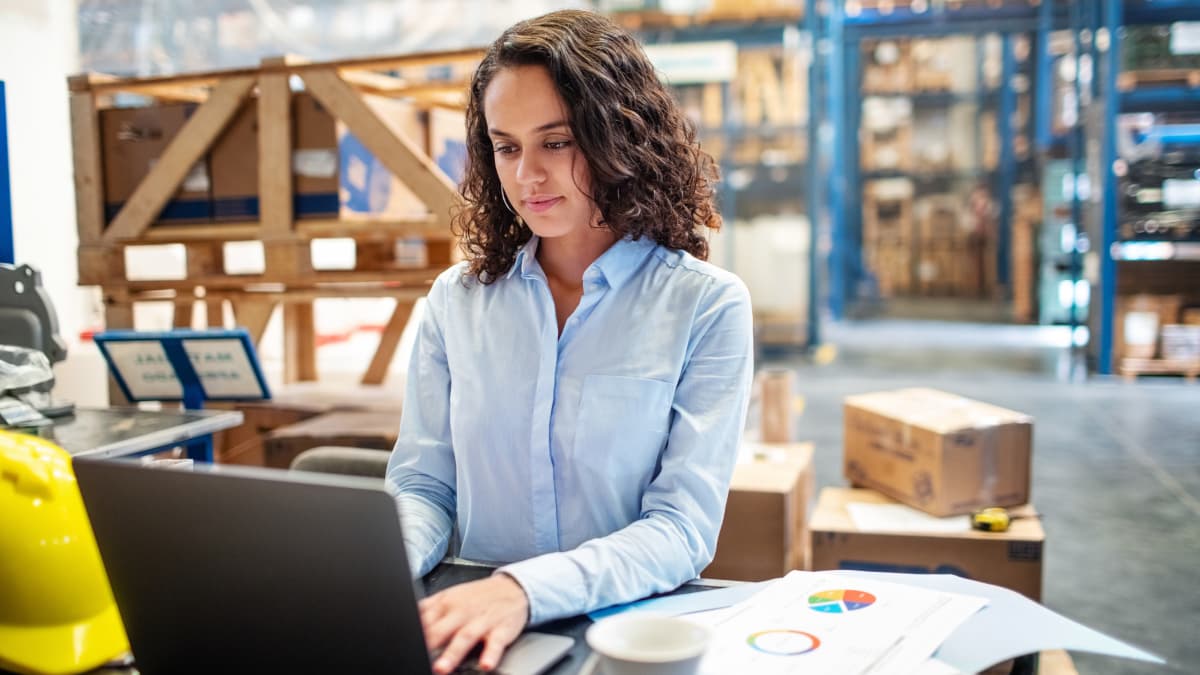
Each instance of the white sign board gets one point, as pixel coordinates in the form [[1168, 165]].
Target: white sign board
[[144, 366], [694, 62], [223, 368]]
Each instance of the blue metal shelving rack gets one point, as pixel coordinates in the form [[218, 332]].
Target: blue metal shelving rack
[[1115, 14], [846, 269], [7, 254]]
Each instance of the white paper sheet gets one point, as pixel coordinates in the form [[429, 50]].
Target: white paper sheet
[[1011, 625], [835, 624], [901, 518]]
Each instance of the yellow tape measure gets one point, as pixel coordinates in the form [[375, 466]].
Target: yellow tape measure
[[994, 519]]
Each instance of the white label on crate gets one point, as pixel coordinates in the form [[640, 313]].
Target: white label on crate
[[1141, 328], [145, 368], [695, 62], [315, 163], [196, 179], [1181, 193], [223, 368], [1185, 37], [1150, 196], [900, 518]]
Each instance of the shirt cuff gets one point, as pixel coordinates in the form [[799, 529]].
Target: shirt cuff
[[553, 584]]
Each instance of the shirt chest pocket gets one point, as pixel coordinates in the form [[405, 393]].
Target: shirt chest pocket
[[622, 425]]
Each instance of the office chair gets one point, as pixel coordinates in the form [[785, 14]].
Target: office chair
[[343, 460], [27, 317]]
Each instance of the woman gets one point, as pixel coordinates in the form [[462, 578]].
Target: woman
[[580, 382]]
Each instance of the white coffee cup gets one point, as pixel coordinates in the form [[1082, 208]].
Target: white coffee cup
[[647, 644]]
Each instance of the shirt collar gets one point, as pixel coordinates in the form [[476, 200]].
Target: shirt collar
[[616, 265], [621, 260], [526, 256]]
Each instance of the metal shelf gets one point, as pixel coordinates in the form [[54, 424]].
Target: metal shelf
[[1155, 250], [1150, 99]]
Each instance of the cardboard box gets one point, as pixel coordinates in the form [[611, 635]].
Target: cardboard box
[[333, 174], [243, 444], [1011, 559], [357, 429], [291, 404], [131, 141], [941, 453], [764, 534]]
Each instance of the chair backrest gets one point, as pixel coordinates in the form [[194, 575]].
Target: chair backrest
[[27, 317], [343, 460]]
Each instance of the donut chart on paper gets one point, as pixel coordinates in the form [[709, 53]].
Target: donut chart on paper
[[783, 642], [840, 601]]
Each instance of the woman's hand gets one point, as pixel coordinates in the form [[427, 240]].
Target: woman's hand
[[494, 610]]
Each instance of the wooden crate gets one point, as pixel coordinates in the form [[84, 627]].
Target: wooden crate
[[891, 263], [886, 150], [288, 278], [888, 211], [1158, 77], [887, 67], [1132, 367]]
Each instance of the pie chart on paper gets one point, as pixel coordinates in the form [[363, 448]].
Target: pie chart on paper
[[840, 601]]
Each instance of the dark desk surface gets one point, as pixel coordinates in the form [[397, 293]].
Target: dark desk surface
[[446, 575], [119, 432]]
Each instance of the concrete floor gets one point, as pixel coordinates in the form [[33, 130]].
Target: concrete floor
[[1116, 466]]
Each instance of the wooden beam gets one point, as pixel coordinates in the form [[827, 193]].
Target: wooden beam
[[188, 146], [374, 83], [185, 306], [101, 265], [253, 316], [89, 177], [388, 341], [400, 155], [291, 65], [299, 342], [275, 156], [214, 312], [118, 314]]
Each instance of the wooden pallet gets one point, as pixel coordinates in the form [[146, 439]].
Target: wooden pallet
[[288, 279], [1132, 367], [1158, 77]]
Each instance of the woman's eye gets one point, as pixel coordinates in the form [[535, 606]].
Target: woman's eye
[[505, 149], [558, 145]]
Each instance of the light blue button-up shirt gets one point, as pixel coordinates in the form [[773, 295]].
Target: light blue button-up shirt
[[594, 465]]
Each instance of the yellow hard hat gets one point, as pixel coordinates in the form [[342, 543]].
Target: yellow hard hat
[[57, 613]]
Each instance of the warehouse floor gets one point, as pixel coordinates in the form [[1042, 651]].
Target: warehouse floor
[[1116, 469]]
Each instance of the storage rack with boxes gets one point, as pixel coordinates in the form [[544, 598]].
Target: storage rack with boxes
[[946, 106], [1145, 226], [751, 106], [213, 159]]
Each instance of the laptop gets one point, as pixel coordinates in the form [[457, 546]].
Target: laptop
[[222, 569]]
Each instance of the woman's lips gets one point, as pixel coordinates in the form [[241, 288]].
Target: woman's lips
[[541, 205]]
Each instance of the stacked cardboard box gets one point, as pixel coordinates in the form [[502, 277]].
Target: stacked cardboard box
[[1011, 559], [887, 66], [888, 234], [334, 175], [947, 456], [131, 142], [941, 453], [765, 531], [375, 430]]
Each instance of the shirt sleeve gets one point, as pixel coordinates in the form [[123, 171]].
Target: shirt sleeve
[[675, 536], [421, 469]]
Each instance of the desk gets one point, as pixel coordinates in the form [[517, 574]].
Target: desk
[[123, 432], [446, 575]]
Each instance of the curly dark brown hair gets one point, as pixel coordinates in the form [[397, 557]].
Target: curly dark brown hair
[[649, 176]]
